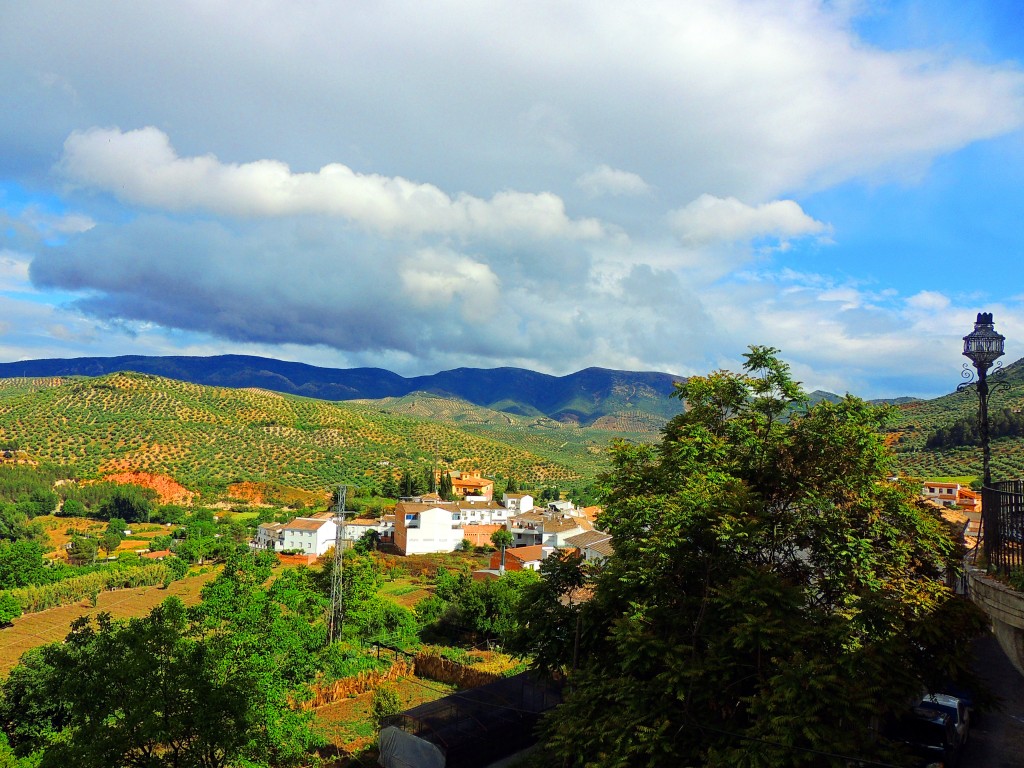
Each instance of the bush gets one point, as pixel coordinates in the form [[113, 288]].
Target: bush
[[386, 702], [1016, 579], [176, 566], [10, 609], [71, 508]]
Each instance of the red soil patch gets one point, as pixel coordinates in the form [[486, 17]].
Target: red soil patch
[[259, 494], [254, 493], [168, 490]]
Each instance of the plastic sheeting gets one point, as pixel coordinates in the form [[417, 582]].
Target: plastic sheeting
[[399, 749]]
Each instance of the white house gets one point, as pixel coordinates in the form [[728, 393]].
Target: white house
[[422, 527], [517, 502], [268, 536], [314, 536], [547, 528], [359, 527], [481, 512], [596, 546]]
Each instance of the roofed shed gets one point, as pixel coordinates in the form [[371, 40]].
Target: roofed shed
[[476, 727]]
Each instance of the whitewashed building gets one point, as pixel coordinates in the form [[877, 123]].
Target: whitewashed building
[[423, 527], [314, 536]]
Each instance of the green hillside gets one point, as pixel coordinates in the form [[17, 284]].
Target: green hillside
[[205, 437], [923, 419]]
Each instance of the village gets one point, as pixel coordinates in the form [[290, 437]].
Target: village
[[428, 524]]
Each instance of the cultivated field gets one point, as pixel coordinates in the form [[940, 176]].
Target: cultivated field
[[35, 629]]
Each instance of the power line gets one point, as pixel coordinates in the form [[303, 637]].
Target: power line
[[337, 617]]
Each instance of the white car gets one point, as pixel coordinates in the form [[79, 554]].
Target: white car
[[952, 707]]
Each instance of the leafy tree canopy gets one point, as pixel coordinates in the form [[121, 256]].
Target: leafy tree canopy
[[770, 595], [131, 503], [145, 693]]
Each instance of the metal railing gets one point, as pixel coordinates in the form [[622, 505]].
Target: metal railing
[[1002, 515]]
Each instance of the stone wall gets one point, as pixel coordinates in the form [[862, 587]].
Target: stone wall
[[1005, 608]]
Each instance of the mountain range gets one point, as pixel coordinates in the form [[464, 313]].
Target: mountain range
[[583, 397]]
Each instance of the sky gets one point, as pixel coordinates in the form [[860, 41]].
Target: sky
[[426, 186]]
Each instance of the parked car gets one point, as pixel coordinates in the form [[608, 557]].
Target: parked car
[[956, 709], [928, 734]]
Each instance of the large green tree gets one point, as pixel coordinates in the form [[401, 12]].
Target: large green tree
[[206, 687], [773, 593]]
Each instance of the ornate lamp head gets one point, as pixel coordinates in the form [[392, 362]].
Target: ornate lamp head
[[983, 345]]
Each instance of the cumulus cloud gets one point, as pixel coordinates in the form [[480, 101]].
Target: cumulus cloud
[[710, 219], [141, 167], [434, 279], [604, 180], [930, 301]]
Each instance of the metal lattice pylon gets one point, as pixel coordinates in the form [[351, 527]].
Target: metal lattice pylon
[[337, 617]]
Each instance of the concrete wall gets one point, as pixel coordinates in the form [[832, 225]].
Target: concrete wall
[[1005, 608]]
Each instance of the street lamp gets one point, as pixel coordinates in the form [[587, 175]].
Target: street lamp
[[983, 346]]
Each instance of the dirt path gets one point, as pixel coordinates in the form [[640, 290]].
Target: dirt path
[[36, 629]]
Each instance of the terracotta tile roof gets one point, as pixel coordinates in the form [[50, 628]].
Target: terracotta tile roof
[[414, 507], [305, 524], [604, 548], [272, 526], [587, 539], [158, 555], [557, 526], [478, 505], [529, 517], [471, 482], [526, 554]]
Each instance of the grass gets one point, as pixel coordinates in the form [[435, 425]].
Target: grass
[[35, 629], [405, 591], [347, 724]]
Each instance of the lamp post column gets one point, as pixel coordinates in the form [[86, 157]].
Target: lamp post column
[[986, 451], [983, 346]]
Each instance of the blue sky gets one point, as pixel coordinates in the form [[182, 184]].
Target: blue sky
[[551, 186]]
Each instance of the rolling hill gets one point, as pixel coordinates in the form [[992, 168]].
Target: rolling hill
[[920, 420], [584, 397], [206, 437]]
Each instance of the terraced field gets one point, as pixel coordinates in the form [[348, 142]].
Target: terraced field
[[212, 435]]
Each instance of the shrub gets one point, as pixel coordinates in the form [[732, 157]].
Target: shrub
[[10, 609], [386, 702], [1016, 579]]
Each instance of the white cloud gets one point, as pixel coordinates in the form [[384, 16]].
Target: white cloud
[[50, 224], [710, 219], [14, 271], [604, 180], [141, 167], [929, 301], [434, 279]]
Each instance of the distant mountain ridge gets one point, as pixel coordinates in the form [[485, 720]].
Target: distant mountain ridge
[[582, 397]]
